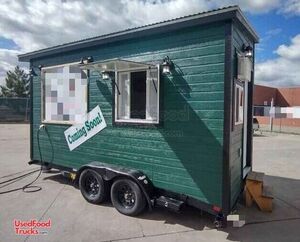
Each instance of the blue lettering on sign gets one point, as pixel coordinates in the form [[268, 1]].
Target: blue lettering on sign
[[78, 134], [89, 125]]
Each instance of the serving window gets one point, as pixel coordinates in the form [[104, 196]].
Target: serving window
[[137, 98], [64, 94]]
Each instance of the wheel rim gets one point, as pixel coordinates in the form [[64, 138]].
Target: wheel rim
[[126, 196], [91, 185]]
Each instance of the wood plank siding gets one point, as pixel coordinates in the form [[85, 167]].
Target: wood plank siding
[[184, 153]]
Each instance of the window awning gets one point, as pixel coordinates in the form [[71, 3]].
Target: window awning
[[116, 65]]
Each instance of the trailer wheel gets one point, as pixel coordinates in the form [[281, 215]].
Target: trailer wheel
[[92, 186], [127, 197]]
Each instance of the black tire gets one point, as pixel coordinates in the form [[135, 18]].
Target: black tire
[[92, 186], [127, 197]]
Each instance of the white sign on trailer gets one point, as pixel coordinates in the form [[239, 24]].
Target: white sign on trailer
[[93, 123]]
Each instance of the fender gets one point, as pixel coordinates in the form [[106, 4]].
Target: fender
[[109, 172]]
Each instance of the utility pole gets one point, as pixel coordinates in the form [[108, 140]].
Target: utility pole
[[271, 114]]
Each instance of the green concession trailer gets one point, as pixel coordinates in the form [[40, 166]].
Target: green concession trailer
[[154, 115]]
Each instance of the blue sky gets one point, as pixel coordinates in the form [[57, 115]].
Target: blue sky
[[274, 29], [31, 25], [7, 43]]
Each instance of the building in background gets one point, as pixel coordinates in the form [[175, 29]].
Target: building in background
[[285, 111]]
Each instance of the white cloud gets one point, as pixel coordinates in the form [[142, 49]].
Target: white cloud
[[291, 7], [38, 24], [273, 32], [145, 12], [255, 6], [291, 52], [284, 70], [8, 61]]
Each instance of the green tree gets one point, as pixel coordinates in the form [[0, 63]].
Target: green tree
[[17, 83]]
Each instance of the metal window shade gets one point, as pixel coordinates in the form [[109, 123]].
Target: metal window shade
[[152, 95], [124, 96], [116, 65]]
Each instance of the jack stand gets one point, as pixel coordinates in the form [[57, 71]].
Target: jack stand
[[220, 221]]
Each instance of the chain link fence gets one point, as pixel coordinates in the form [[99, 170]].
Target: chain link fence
[[14, 109], [278, 119]]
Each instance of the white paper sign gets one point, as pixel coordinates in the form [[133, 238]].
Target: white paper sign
[[92, 124]]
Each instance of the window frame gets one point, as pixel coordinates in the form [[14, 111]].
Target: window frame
[[59, 122], [137, 121], [241, 87]]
